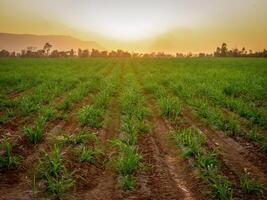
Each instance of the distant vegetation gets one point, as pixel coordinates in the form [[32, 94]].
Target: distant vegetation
[[32, 52], [223, 51]]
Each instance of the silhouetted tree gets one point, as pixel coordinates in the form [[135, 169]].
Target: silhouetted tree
[[201, 55], [179, 55], [243, 51], [217, 53], [4, 53], [224, 50], [33, 52], [72, 53], [47, 48], [84, 53], [79, 52], [12, 54], [95, 53]]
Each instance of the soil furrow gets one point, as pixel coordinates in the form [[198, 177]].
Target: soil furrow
[[106, 180], [106, 187], [19, 178], [168, 176], [236, 157]]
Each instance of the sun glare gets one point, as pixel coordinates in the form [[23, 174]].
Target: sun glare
[[125, 20]]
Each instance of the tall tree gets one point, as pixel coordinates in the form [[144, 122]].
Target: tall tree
[[47, 48], [224, 50]]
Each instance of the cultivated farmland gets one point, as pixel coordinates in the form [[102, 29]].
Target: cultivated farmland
[[122, 128]]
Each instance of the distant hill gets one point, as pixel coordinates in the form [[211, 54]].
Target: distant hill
[[17, 42]]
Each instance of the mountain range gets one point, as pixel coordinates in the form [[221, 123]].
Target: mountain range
[[17, 42]]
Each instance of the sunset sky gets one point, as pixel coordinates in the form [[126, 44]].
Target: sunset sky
[[143, 25]]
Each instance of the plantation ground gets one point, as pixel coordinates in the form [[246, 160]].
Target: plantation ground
[[133, 128]]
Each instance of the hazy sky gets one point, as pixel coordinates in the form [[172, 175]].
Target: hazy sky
[[169, 25]]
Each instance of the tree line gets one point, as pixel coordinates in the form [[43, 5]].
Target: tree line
[[223, 51], [33, 52]]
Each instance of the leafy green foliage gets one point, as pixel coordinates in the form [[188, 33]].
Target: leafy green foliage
[[35, 134], [91, 116], [222, 188], [89, 154], [7, 160], [58, 186], [249, 186], [191, 141], [207, 161], [79, 138], [52, 163], [170, 107], [128, 160], [128, 182], [53, 172]]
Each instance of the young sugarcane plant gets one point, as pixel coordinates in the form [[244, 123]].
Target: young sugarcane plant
[[7, 160]]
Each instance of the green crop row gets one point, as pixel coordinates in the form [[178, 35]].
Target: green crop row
[[93, 115], [210, 113], [133, 111], [192, 145], [35, 133]]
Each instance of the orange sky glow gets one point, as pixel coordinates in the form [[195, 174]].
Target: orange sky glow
[[143, 25]]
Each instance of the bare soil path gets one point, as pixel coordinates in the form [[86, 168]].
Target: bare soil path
[[238, 158], [168, 175], [107, 186]]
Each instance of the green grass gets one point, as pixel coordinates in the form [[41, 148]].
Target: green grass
[[128, 160], [7, 159], [52, 163], [86, 155], [80, 92], [58, 186], [89, 155], [131, 130], [91, 116], [254, 136], [224, 94], [222, 188], [207, 161], [53, 173], [170, 107], [191, 144], [6, 116], [35, 134], [48, 113], [128, 183], [249, 186], [79, 138], [221, 93]]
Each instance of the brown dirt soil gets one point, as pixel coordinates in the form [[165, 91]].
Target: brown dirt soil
[[168, 175], [106, 181], [165, 175], [16, 184], [15, 94], [245, 127], [237, 157], [31, 153], [16, 124]]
